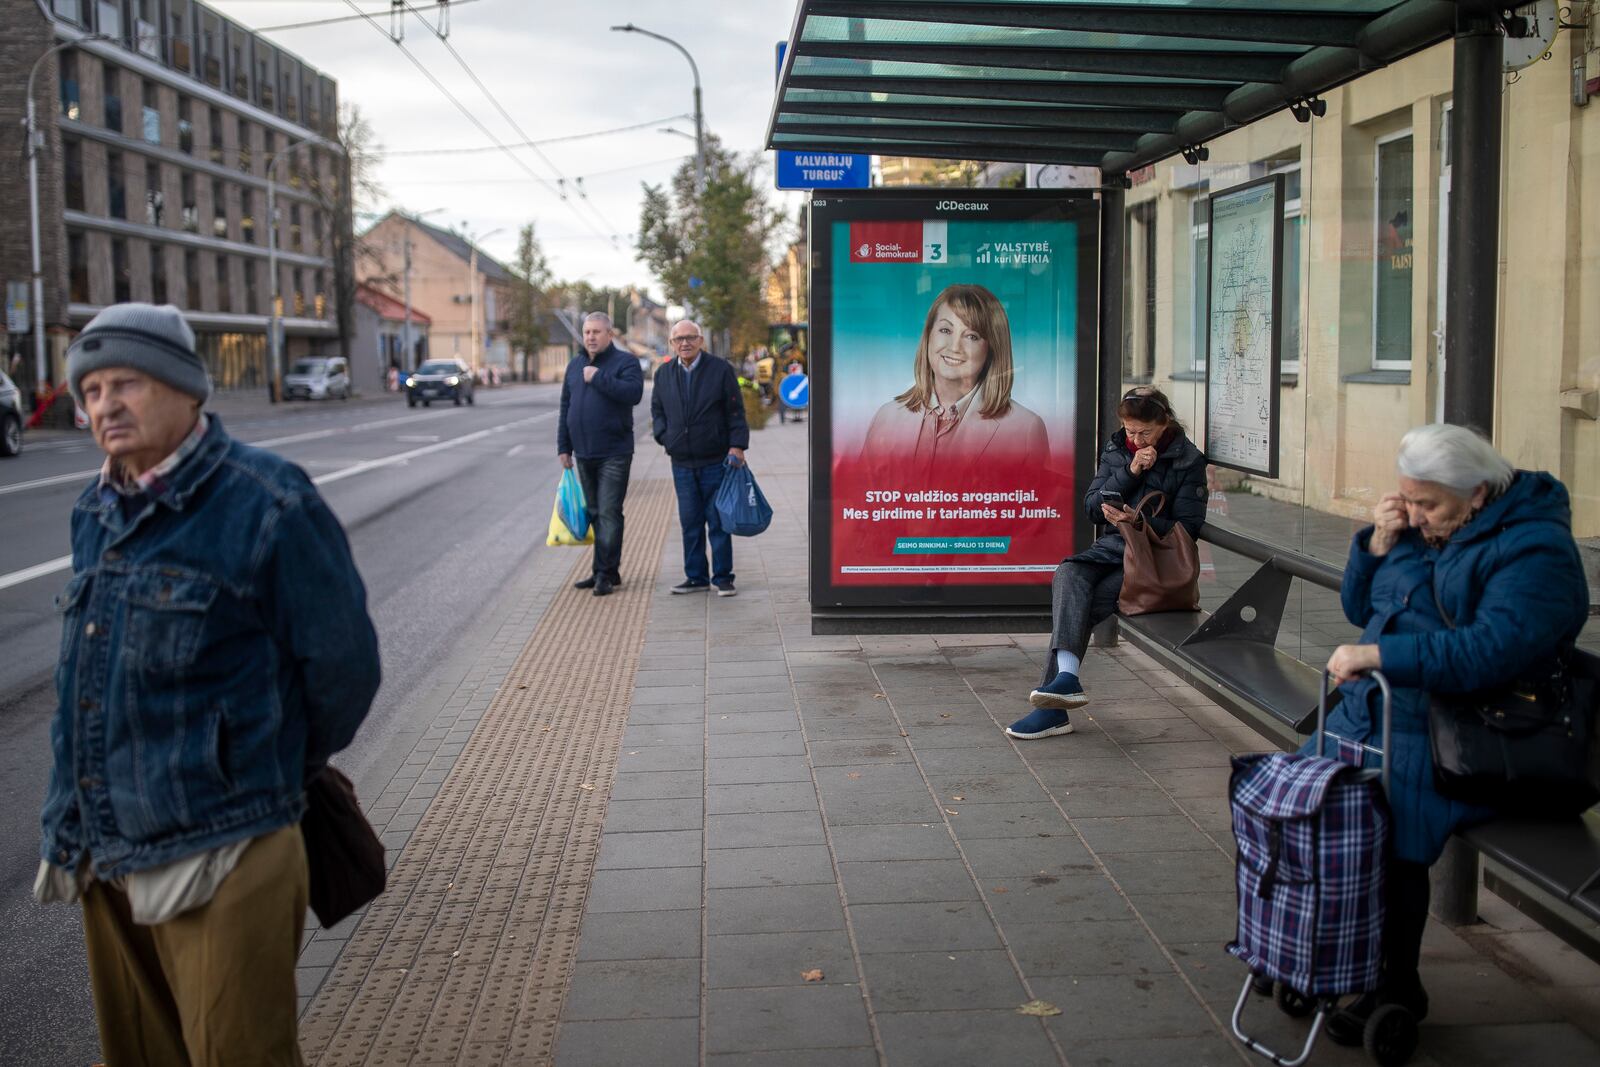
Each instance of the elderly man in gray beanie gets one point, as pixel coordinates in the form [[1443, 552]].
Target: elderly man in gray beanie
[[216, 651]]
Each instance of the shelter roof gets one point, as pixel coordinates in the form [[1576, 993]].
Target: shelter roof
[[1115, 84]]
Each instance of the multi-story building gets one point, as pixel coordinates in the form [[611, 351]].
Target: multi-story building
[[158, 119], [449, 276]]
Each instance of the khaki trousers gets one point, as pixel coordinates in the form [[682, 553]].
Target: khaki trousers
[[214, 986]]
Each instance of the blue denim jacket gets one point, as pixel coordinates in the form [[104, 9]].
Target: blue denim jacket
[[215, 646]]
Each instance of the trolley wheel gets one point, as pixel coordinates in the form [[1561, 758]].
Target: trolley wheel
[[1391, 1035], [1292, 1003], [1261, 985]]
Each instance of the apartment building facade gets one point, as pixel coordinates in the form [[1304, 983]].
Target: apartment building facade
[[158, 119]]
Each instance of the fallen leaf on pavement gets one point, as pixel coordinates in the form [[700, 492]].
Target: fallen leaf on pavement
[[957, 796], [951, 811], [1000, 889], [812, 975], [1039, 1009], [587, 787], [904, 734], [880, 696], [944, 715], [853, 774]]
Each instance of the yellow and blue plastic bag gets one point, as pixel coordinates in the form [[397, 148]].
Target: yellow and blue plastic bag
[[569, 517]]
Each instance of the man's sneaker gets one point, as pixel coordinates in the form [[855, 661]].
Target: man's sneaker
[[690, 587], [1063, 693], [603, 587], [586, 583], [726, 589], [1041, 722]]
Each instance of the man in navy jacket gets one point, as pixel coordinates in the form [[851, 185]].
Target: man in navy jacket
[[595, 434], [697, 415]]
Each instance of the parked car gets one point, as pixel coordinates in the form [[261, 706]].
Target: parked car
[[10, 417], [318, 378], [439, 379]]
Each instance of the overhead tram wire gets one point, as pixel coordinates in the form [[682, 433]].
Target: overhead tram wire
[[344, 18], [470, 117], [468, 149], [465, 66]]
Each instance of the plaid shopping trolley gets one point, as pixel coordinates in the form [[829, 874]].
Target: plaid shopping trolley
[[1313, 841]]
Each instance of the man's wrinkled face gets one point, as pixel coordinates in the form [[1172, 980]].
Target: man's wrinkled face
[[596, 336], [686, 342], [136, 419]]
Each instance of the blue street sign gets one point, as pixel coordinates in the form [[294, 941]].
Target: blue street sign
[[820, 170], [795, 390]]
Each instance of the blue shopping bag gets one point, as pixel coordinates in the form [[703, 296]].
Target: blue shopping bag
[[569, 520], [741, 508]]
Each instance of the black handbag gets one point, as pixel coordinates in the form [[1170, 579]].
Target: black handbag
[[1531, 748], [343, 854]]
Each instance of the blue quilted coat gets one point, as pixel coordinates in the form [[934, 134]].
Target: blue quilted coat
[[1513, 584]]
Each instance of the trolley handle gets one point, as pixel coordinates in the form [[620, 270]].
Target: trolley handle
[[1388, 718]]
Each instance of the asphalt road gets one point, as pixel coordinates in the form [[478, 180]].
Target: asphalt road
[[443, 507]]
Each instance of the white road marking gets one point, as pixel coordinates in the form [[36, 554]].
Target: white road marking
[[417, 438], [515, 449], [40, 570]]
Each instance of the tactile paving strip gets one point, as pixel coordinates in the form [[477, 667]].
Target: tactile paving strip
[[466, 957]]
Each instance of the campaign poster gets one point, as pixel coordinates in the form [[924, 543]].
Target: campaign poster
[[954, 341]]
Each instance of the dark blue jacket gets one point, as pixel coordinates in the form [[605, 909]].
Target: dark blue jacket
[[698, 415], [1512, 582], [1179, 472], [597, 416], [215, 646]]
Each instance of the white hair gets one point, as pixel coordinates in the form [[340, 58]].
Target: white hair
[[1458, 458], [600, 316]]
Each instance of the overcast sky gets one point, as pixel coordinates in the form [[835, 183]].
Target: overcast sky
[[558, 71]]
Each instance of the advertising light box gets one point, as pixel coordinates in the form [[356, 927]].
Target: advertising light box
[[953, 362]]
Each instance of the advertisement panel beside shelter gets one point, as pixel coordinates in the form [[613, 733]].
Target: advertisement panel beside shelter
[[953, 341]]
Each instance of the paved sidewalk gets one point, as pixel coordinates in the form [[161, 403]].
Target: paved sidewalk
[[823, 850]]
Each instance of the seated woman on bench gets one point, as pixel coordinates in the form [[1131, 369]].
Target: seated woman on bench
[[1151, 453], [1468, 579]]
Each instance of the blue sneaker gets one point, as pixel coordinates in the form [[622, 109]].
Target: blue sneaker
[[1041, 722], [1064, 693]]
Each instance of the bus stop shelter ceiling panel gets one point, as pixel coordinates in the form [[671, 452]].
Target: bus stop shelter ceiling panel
[[1110, 83]]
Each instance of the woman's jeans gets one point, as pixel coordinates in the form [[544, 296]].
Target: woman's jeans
[[697, 514], [1082, 596], [605, 483]]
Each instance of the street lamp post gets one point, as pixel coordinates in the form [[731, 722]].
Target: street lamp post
[[275, 322], [34, 143], [699, 120], [472, 293]]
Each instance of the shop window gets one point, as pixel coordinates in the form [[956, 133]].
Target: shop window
[[219, 210], [116, 186], [77, 269], [186, 125], [190, 210], [121, 279], [158, 274], [72, 167], [154, 198], [71, 105], [1392, 255], [150, 114], [224, 290], [111, 97]]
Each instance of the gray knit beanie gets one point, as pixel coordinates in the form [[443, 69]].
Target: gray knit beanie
[[143, 337]]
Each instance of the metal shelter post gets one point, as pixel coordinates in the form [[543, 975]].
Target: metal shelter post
[[1471, 300], [1113, 250]]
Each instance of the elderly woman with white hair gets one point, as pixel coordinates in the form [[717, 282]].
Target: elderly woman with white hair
[[1468, 579]]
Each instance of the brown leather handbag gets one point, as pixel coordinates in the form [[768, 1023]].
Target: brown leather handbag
[[1159, 573]]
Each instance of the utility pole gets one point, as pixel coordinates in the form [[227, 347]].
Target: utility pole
[[472, 304], [405, 336]]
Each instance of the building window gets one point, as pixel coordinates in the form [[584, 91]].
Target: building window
[[191, 211], [219, 210], [250, 301], [154, 198], [116, 186], [296, 179], [72, 167], [158, 274], [147, 28], [216, 135], [71, 10], [68, 66], [150, 114], [316, 232], [210, 49], [224, 290], [299, 283], [241, 72], [121, 280], [1139, 293], [110, 18], [1392, 259], [269, 148], [186, 125], [266, 75], [321, 302], [77, 269], [178, 30], [247, 157], [111, 97], [191, 278], [1200, 269], [294, 228], [247, 215]]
